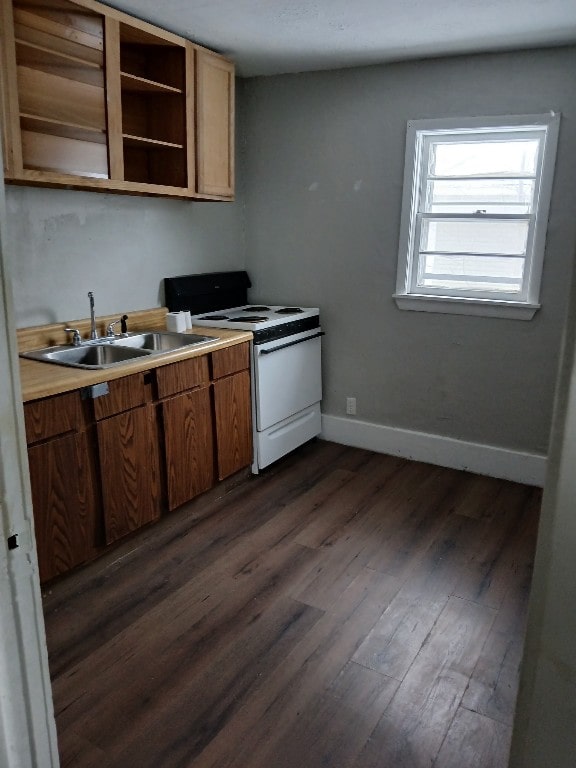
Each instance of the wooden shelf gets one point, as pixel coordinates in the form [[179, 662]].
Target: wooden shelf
[[52, 62], [137, 35], [142, 141], [59, 128], [33, 55], [57, 154], [136, 84], [76, 26]]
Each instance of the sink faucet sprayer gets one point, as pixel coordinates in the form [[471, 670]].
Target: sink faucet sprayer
[[93, 332]]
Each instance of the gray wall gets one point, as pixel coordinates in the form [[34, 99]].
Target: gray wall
[[324, 170], [65, 243]]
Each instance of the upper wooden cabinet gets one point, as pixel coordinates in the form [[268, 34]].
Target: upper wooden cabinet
[[95, 99]]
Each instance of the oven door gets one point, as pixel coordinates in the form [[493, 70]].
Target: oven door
[[287, 376]]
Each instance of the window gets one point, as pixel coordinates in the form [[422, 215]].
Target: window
[[475, 209]]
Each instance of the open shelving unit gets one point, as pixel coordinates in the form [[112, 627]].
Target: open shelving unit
[[93, 98], [153, 96], [60, 75]]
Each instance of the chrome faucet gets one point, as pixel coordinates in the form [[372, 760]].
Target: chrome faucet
[[93, 332]]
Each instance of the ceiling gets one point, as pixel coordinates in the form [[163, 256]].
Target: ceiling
[[267, 37]]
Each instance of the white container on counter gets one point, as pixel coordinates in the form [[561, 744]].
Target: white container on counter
[[175, 321]]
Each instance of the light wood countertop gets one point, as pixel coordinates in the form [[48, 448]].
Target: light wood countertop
[[40, 379]]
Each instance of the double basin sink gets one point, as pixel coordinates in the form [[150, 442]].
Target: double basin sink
[[105, 352]]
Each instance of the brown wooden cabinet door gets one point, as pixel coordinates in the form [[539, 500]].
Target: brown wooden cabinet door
[[189, 445], [233, 423], [64, 500], [130, 472]]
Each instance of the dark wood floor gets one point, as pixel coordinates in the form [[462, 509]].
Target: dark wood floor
[[342, 610]]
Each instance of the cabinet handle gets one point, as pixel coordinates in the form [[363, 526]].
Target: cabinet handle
[[291, 344], [94, 391]]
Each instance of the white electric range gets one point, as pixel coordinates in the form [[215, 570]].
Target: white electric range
[[285, 358]]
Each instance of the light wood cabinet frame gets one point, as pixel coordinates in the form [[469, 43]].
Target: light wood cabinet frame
[[113, 98], [11, 135], [98, 151]]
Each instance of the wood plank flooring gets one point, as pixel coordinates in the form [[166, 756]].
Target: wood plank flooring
[[342, 610]]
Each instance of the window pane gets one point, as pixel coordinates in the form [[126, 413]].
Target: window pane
[[480, 236], [484, 158], [471, 273], [469, 196]]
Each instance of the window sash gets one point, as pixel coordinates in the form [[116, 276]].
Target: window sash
[[427, 139], [419, 255]]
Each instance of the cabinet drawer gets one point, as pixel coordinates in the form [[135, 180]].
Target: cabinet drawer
[[124, 394], [178, 377], [230, 360], [53, 416]]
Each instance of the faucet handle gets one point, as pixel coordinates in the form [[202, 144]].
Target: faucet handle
[[123, 327], [76, 338]]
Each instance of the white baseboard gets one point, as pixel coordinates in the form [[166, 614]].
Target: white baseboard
[[529, 468]]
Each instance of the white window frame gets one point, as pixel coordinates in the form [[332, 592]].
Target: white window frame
[[419, 135]]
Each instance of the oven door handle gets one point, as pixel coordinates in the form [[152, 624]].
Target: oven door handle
[[290, 344]]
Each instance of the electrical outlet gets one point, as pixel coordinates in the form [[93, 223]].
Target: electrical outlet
[[351, 406]]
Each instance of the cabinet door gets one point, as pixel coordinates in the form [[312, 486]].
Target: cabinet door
[[233, 423], [64, 501], [215, 124], [129, 465], [189, 445]]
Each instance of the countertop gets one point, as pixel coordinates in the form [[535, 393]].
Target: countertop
[[39, 379]]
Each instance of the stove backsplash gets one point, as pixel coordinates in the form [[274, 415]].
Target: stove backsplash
[[207, 292]]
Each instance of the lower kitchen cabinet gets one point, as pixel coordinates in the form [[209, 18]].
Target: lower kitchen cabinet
[[189, 445], [103, 467], [129, 471]]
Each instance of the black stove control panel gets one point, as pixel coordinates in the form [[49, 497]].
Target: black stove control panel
[[262, 335]]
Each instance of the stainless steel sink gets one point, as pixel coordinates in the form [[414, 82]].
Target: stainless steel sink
[[162, 341], [87, 356], [108, 352]]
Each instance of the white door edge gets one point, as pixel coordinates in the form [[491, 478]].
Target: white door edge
[[27, 727]]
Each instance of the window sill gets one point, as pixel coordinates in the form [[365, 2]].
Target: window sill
[[449, 305]]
